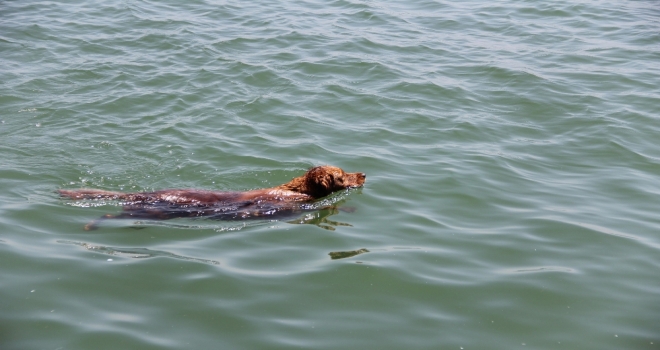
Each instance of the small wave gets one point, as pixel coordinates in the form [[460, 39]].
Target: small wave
[[136, 253], [537, 269]]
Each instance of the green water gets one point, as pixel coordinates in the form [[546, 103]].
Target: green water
[[511, 151]]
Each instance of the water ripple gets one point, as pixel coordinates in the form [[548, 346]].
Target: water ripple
[[136, 253]]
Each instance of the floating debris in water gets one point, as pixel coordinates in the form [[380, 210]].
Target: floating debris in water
[[346, 254]]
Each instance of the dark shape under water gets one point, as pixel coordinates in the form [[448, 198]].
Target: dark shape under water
[[347, 254]]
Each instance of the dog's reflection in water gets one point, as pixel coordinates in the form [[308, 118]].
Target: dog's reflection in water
[[320, 217]]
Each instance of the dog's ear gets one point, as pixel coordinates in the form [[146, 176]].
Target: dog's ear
[[320, 182]]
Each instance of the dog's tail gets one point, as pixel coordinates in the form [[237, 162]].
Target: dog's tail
[[91, 194]]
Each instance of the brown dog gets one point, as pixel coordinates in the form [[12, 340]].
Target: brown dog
[[288, 198]]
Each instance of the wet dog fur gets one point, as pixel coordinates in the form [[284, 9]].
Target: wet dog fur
[[290, 197]]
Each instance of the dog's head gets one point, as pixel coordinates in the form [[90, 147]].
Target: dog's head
[[323, 180]]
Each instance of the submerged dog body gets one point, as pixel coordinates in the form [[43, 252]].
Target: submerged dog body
[[290, 197]]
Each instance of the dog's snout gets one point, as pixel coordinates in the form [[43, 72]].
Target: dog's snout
[[360, 178]]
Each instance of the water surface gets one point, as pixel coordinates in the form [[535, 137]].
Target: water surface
[[510, 149]]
